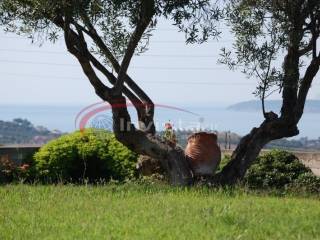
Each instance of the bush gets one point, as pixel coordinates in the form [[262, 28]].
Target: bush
[[275, 169], [12, 172], [224, 161], [279, 169], [93, 155], [306, 182], [7, 170]]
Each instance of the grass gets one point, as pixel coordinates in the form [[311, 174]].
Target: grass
[[144, 212]]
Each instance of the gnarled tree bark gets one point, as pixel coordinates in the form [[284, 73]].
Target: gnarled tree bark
[[249, 148], [172, 159]]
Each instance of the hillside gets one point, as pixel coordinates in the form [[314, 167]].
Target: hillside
[[312, 106], [21, 131]]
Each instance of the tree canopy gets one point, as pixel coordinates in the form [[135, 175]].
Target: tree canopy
[[114, 20], [265, 31]]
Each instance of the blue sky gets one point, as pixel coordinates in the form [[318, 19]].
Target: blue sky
[[172, 73]]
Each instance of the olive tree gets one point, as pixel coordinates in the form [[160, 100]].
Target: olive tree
[[267, 31], [103, 35]]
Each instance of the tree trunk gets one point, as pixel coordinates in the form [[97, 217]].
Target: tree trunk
[[243, 156], [172, 159], [249, 148], [147, 166]]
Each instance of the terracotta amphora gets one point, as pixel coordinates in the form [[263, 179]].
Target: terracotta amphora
[[203, 152]]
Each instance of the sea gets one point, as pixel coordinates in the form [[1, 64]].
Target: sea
[[215, 118]]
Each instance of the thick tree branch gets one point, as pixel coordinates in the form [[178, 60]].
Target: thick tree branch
[[305, 86], [307, 49], [92, 32], [77, 46], [143, 105], [112, 79], [115, 64], [290, 82], [172, 159], [147, 12], [249, 148], [145, 110], [142, 108]]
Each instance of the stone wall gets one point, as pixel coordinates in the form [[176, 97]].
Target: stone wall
[[18, 153]]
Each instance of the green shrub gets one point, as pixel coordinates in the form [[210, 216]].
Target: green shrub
[[279, 169], [306, 182], [12, 172], [275, 169], [93, 155], [7, 170], [224, 161]]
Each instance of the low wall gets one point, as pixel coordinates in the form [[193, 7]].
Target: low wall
[[309, 159], [18, 153]]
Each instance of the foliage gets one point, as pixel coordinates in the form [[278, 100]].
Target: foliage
[[306, 182], [7, 170], [91, 154], [133, 211], [266, 31], [275, 169], [281, 170], [258, 42], [223, 162], [115, 20], [11, 172]]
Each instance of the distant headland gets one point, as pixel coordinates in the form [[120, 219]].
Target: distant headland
[[312, 106]]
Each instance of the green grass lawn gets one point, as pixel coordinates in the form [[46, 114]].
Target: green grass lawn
[[145, 212]]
